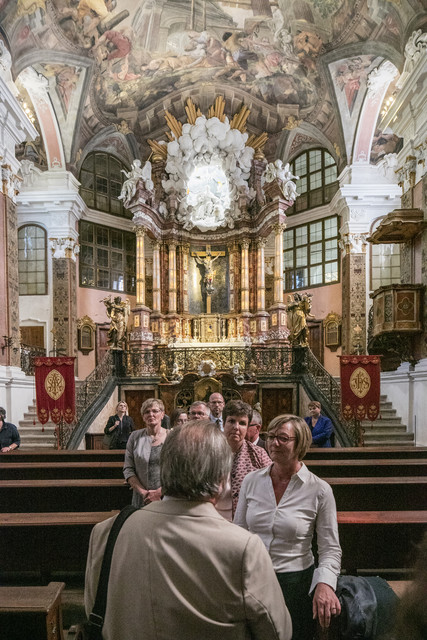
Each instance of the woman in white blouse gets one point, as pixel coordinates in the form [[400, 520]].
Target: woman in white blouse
[[285, 504]]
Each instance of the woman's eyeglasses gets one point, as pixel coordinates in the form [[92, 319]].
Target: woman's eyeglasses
[[281, 439]]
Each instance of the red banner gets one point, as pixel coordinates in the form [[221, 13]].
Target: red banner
[[55, 389], [360, 387]]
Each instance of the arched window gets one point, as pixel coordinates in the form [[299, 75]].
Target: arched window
[[317, 171], [385, 263], [101, 181], [32, 261]]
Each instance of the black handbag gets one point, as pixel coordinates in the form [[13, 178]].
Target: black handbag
[[92, 628]]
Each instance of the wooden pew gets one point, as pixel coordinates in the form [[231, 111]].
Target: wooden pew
[[364, 453], [70, 455], [113, 469], [57, 543], [64, 495], [88, 494], [31, 612], [61, 470], [47, 543], [379, 494], [369, 467], [380, 540]]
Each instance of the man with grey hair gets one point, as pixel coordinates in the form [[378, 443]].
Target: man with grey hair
[[199, 410], [178, 568], [255, 426]]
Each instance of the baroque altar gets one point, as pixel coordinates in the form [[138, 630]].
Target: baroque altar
[[207, 209]]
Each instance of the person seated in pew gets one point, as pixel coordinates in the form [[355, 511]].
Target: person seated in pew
[[9, 436], [286, 504], [119, 427], [179, 570], [322, 429]]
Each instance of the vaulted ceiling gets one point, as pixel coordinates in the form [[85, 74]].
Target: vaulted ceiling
[[100, 74]]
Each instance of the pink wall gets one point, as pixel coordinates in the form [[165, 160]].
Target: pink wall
[[89, 303], [325, 300]]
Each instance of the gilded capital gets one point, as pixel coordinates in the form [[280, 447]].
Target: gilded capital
[[245, 243], [139, 231], [261, 242], [156, 244], [279, 227]]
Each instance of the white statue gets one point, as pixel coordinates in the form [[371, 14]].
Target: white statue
[[133, 176], [283, 174]]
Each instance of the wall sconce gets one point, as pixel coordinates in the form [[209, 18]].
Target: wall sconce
[[7, 343]]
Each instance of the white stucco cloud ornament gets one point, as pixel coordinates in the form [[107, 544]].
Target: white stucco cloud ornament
[[208, 167], [206, 368]]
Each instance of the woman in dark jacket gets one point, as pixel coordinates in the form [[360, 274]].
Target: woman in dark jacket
[[119, 426]]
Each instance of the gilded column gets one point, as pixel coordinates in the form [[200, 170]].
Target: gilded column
[[156, 315], [157, 305], [278, 262], [174, 318], [186, 321], [141, 336], [261, 322], [172, 277], [278, 332], [260, 275], [140, 266], [243, 329]]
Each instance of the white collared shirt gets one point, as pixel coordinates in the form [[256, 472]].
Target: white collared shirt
[[214, 420], [287, 528]]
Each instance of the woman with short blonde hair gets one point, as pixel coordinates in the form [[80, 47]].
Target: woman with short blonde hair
[[285, 504], [142, 458]]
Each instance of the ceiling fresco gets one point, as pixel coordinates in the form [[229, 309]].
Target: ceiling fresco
[[122, 63]]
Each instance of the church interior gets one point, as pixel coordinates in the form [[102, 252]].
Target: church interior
[[212, 197]]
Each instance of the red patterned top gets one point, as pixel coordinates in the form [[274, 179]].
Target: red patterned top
[[248, 458]]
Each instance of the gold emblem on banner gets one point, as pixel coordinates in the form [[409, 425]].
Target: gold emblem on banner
[[360, 382], [54, 384]]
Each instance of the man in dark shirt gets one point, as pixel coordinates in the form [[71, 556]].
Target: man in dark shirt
[[9, 436]]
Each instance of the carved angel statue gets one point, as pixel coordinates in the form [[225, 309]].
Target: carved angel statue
[[118, 311], [133, 176], [298, 308], [284, 176]]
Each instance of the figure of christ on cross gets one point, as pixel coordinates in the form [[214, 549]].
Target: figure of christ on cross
[[206, 260]]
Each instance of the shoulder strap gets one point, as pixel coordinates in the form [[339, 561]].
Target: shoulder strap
[[96, 618]]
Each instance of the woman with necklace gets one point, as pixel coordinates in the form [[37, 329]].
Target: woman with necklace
[[142, 458], [285, 504]]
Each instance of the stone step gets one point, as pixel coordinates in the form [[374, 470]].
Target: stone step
[[382, 428], [389, 443], [379, 435], [390, 423]]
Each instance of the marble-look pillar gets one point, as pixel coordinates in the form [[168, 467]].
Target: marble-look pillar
[[186, 322], [64, 287], [354, 309], [141, 336], [173, 317], [140, 233], [278, 329], [156, 315], [9, 282], [244, 325], [261, 314]]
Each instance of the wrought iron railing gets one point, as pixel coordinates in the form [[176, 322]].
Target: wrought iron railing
[[93, 385], [331, 391], [246, 361], [28, 354]]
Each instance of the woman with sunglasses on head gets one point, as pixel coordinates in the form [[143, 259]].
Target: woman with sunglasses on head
[[142, 458], [286, 504]]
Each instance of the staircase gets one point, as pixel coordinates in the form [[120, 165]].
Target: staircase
[[36, 436], [387, 430]]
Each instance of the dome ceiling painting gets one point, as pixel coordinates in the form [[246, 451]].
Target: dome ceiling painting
[[111, 68]]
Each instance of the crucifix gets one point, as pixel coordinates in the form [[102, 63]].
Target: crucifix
[[205, 259]]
